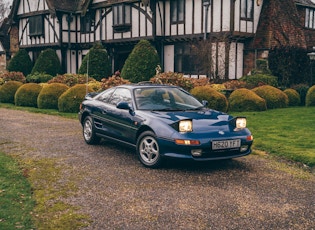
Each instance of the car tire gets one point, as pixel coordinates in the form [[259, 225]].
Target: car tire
[[148, 150], [89, 134]]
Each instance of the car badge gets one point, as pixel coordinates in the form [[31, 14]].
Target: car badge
[[221, 132]]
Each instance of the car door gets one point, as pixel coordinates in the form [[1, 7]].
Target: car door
[[119, 123]]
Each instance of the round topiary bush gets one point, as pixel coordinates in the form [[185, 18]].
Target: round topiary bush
[[20, 62], [71, 99], [96, 63], [27, 95], [310, 97], [141, 63], [48, 96], [215, 99], [8, 90], [275, 98], [246, 100], [47, 62], [294, 97]]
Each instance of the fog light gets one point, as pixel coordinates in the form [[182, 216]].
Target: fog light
[[196, 152], [244, 148]]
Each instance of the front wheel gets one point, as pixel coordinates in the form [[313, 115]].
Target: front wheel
[[88, 131], [148, 150]]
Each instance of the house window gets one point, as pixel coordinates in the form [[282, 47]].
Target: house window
[[122, 18], [88, 23], [36, 25], [247, 7], [310, 19], [185, 59], [177, 11]]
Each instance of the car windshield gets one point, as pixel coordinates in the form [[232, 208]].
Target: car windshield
[[165, 98]]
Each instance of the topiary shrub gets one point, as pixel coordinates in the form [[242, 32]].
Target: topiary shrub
[[171, 78], [71, 99], [302, 90], [48, 96], [294, 97], [71, 79], [215, 99], [275, 98], [27, 95], [8, 90], [20, 62], [246, 100], [47, 62], [141, 63], [38, 78], [96, 63], [257, 80], [310, 97], [12, 76]]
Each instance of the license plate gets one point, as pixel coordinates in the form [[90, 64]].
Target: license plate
[[226, 144]]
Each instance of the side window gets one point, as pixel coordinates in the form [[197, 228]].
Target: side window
[[247, 7], [310, 18], [119, 95], [105, 96], [36, 25], [88, 22], [177, 11]]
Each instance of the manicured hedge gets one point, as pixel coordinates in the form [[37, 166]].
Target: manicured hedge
[[71, 99], [242, 100], [48, 96], [215, 99], [310, 97], [275, 98], [27, 95], [293, 96], [8, 90]]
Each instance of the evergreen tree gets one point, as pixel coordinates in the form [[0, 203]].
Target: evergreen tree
[[96, 63], [20, 62], [47, 62], [141, 63]]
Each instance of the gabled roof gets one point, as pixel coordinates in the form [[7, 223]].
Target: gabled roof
[[68, 5]]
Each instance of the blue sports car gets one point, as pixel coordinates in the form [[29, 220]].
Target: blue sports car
[[162, 121]]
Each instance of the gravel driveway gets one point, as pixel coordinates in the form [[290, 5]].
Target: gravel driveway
[[252, 192]]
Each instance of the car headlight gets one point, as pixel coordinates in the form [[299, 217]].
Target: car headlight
[[240, 122], [185, 126]]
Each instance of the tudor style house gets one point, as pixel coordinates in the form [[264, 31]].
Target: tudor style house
[[233, 32]]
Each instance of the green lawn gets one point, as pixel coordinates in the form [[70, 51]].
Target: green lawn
[[289, 132]]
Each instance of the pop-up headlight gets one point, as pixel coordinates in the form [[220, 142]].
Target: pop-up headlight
[[185, 126]]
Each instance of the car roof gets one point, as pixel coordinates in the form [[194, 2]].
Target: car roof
[[146, 85]]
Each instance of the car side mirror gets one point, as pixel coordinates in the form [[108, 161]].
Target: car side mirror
[[205, 103], [125, 105]]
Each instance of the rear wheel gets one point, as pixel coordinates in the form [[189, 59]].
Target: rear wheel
[[88, 131], [148, 150]]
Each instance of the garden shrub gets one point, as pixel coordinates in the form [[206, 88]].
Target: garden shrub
[[48, 96], [257, 80], [218, 87], [96, 63], [275, 98], [302, 90], [246, 100], [215, 99], [171, 78], [12, 76], [8, 90], [71, 79], [47, 62], [234, 84], [200, 81], [71, 99], [38, 78], [114, 80], [310, 97], [294, 97], [141, 63], [27, 95], [20, 62]]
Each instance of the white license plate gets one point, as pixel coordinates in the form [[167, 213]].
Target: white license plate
[[226, 144]]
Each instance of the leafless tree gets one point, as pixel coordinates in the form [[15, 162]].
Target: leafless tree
[[4, 8]]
